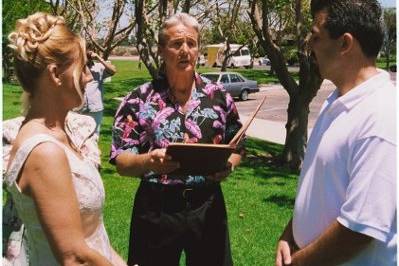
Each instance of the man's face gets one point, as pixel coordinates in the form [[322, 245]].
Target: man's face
[[325, 49], [180, 52]]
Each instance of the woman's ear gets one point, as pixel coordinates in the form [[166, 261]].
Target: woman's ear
[[347, 42], [54, 74]]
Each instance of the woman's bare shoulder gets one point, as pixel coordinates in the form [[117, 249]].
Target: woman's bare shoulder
[[45, 150]]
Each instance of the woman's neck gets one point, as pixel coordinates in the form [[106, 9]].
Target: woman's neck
[[47, 111]]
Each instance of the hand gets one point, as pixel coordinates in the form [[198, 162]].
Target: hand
[[222, 175], [161, 163], [92, 55], [283, 256]]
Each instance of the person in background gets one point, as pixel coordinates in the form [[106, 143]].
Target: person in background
[[172, 214], [345, 208], [94, 92], [57, 191]]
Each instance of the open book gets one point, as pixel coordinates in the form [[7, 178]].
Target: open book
[[206, 159]]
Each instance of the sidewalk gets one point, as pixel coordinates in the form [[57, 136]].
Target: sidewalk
[[271, 131], [265, 129]]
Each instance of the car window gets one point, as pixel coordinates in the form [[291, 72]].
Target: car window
[[212, 77], [244, 52], [235, 78], [224, 78], [237, 53]]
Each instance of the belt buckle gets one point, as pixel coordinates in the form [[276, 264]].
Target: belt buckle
[[184, 193]]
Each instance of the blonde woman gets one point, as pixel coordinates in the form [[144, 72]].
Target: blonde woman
[[58, 192]]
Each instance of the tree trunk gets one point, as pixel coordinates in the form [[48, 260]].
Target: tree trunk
[[387, 57], [300, 94], [226, 57], [296, 132]]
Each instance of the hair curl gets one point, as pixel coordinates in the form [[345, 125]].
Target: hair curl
[[42, 39]]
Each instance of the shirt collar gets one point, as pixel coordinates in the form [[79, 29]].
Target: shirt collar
[[161, 84], [358, 93]]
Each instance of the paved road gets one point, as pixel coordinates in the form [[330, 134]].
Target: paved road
[[275, 107]]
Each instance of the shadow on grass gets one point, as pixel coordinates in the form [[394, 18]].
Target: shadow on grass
[[281, 201], [263, 158]]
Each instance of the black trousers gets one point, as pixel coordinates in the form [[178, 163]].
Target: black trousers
[[169, 219]]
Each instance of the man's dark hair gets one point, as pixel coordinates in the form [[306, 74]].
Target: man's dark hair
[[361, 18]]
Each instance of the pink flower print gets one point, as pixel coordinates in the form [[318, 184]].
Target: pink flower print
[[217, 124], [144, 88], [133, 101], [161, 116], [209, 90], [129, 126], [229, 100], [192, 105], [123, 103], [161, 104], [193, 128], [221, 112]]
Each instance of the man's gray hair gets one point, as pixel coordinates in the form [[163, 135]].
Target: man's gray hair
[[177, 19]]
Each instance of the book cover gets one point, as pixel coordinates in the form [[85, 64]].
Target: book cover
[[206, 159]]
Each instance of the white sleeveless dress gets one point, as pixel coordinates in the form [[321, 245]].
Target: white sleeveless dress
[[89, 190]]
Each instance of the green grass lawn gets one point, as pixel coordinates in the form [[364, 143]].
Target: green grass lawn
[[259, 195]]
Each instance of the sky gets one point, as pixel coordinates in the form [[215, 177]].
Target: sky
[[388, 3], [107, 11]]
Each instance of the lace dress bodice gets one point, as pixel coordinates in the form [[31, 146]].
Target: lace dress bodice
[[90, 194]]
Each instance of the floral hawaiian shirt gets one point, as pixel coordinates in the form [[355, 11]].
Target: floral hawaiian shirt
[[149, 119]]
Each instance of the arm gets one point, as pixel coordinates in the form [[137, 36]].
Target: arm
[[130, 164], [336, 245], [50, 186], [286, 246], [110, 68], [117, 260]]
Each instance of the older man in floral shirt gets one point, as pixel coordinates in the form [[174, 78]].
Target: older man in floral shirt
[[149, 119]]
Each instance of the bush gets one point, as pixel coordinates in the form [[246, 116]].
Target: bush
[[291, 55], [124, 51]]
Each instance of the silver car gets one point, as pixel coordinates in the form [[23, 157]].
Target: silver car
[[234, 83]]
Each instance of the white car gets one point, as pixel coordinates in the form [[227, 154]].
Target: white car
[[264, 61]]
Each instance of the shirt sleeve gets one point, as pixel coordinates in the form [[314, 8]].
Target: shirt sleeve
[[370, 204], [106, 74], [233, 123], [126, 128]]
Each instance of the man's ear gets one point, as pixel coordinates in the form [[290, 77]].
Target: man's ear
[[347, 42], [54, 74]]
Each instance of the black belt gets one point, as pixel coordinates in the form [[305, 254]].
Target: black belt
[[176, 195]]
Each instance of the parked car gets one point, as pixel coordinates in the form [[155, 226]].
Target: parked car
[[264, 61], [234, 83]]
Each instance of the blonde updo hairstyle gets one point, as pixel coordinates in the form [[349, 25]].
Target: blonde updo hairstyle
[[42, 39]]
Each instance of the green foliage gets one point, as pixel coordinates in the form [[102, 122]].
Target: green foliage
[[12, 11], [16, 9], [259, 194]]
